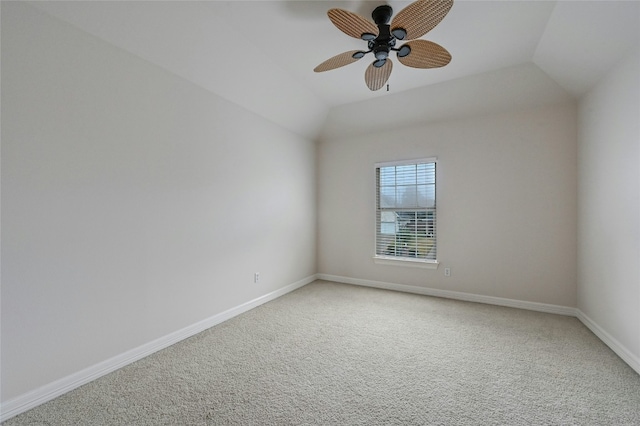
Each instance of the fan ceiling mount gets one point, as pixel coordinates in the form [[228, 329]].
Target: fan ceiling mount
[[409, 25]]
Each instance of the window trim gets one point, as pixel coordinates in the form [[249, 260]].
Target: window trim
[[405, 261], [398, 260]]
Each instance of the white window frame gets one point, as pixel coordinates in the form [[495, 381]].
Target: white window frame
[[400, 260]]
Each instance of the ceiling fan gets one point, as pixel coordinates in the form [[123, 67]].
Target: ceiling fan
[[409, 24]]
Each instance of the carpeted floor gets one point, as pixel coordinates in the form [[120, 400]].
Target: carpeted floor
[[335, 354]]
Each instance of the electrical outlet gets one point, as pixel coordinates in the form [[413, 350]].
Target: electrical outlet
[[447, 272], [256, 277]]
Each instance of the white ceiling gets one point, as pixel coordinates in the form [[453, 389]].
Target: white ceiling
[[261, 54]]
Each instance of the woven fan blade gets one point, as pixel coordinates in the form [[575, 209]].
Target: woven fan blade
[[351, 23], [337, 61], [425, 54], [377, 77], [420, 17]]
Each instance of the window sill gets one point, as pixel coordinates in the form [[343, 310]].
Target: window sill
[[399, 261]]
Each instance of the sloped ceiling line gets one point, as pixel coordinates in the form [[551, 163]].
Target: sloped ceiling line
[[261, 55]]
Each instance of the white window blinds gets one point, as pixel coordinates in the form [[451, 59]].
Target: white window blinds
[[406, 210]]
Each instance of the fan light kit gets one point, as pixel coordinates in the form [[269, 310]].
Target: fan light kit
[[409, 24]]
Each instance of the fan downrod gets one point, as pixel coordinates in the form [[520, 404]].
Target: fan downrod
[[382, 14]]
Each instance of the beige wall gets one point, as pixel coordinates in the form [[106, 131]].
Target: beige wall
[[506, 204], [609, 207], [134, 203]]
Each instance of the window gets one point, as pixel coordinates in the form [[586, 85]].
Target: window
[[406, 210]]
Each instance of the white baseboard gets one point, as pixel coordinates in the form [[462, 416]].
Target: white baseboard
[[39, 396], [467, 297], [52, 390], [620, 350], [608, 340]]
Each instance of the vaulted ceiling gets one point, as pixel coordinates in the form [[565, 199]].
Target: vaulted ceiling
[[261, 55]]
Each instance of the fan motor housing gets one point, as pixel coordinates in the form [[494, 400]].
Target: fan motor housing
[[382, 44]]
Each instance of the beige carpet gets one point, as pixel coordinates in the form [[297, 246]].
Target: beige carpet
[[334, 354]]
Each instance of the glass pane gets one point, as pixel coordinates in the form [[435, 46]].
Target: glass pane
[[386, 244], [388, 228], [406, 237], [407, 196], [426, 173], [387, 176], [422, 174], [387, 196], [388, 217], [426, 196], [406, 175], [387, 223]]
